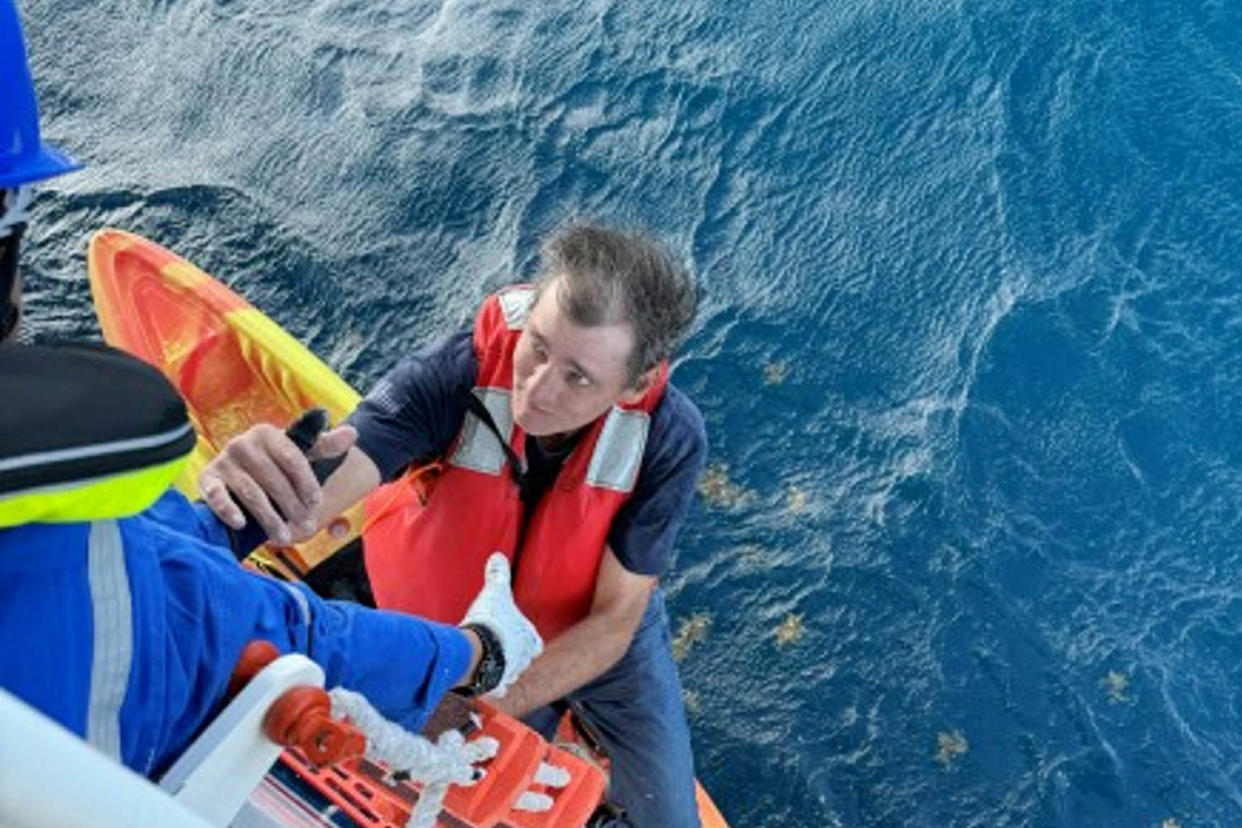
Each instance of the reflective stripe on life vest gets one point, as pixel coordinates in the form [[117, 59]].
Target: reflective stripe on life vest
[[619, 450], [478, 448], [515, 304]]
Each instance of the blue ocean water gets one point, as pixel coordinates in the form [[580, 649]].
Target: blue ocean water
[[970, 345]]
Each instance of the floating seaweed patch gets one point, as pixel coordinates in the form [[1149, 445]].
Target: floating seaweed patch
[[795, 500], [718, 489], [1116, 684], [691, 631], [775, 372], [790, 630], [950, 744]]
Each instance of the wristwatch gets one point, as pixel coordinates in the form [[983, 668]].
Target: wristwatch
[[491, 667]]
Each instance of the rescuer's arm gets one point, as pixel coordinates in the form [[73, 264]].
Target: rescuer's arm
[[588, 648]]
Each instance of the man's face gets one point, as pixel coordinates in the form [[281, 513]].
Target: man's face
[[566, 375]]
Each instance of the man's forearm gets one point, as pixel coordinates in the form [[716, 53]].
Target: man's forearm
[[353, 480], [577, 656]]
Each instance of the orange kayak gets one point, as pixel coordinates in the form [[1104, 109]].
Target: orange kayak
[[234, 366]]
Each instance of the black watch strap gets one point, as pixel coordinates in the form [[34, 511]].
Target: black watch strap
[[491, 667]]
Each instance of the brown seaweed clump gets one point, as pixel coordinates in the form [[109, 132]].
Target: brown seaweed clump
[[950, 745], [691, 631], [1116, 684], [795, 500], [776, 372], [719, 490], [790, 630]]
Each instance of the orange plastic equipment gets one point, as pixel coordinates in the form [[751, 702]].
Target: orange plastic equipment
[[509, 773], [302, 718], [254, 657], [326, 753], [573, 804], [368, 796]]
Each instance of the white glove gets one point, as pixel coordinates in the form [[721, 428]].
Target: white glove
[[493, 607]]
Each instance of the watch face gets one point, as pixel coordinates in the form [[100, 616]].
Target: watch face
[[491, 666], [489, 674]]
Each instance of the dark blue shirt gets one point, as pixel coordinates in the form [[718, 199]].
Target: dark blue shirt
[[414, 413]]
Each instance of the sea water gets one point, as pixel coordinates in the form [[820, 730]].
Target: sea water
[[969, 349]]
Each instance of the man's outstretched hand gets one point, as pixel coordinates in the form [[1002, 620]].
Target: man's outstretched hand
[[264, 471]]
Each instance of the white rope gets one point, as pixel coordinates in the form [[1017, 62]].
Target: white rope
[[450, 761], [430, 801]]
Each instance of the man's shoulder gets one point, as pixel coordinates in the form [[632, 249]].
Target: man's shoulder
[[438, 372], [416, 409], [677, 417], [450, 359], [678, 435], [642, 536]]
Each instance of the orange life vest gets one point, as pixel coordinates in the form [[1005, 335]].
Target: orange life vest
[[428, 535]]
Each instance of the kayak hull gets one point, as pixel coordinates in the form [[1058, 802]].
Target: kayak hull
[[234, 366]]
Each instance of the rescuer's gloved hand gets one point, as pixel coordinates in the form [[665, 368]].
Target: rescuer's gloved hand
[[494, 614]]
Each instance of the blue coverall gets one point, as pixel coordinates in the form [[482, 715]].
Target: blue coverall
[[126, 632]]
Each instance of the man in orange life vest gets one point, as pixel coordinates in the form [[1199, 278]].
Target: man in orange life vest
[[555, 437]]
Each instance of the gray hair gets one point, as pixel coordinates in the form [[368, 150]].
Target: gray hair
[[613, 276]]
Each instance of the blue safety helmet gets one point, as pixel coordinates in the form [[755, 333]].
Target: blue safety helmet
[[23, 155]]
